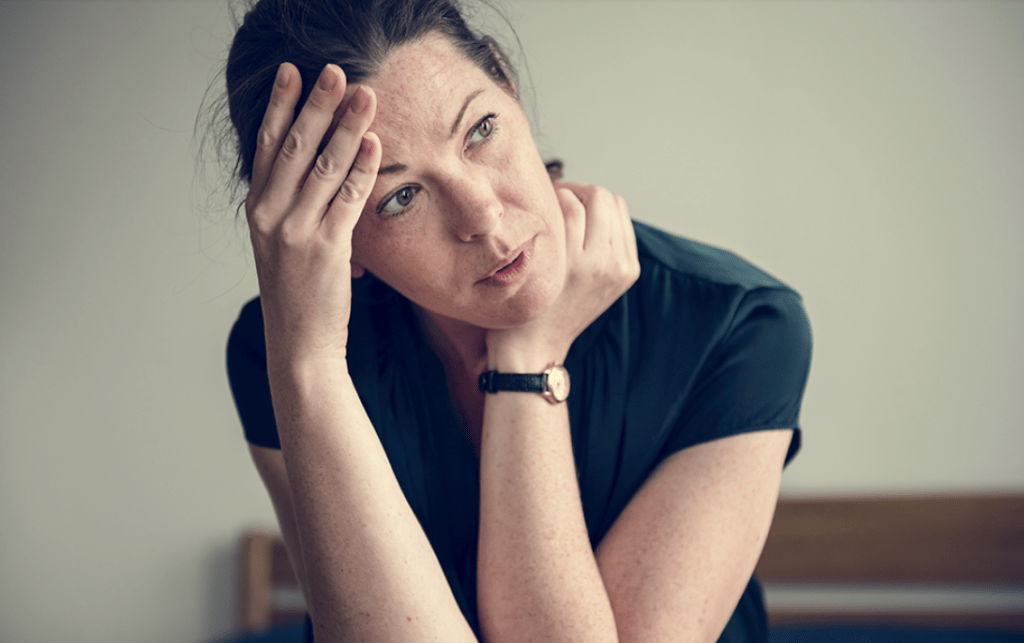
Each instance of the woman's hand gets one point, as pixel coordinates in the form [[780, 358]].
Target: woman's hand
[[601, 264], [302, 208]]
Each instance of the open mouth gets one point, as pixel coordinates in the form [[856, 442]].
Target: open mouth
[[511, 271], [511, 265]]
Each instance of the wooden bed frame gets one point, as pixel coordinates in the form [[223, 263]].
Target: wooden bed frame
[[933, 541], [952, 541]]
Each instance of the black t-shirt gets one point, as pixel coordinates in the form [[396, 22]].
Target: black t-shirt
[[704, 345]]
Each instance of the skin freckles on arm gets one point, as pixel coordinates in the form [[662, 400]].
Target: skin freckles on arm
[[531, 514], [672, 567], [367, 568], [676, 560], [531, 511]]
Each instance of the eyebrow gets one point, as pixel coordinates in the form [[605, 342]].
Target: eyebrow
[[394, 168], [462, 112], [398, 168]]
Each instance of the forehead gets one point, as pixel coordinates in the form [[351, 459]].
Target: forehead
[[420, 88]]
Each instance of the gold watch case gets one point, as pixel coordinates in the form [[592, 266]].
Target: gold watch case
[[557, 379]]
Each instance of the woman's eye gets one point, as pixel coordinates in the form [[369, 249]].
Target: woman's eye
[[483, 129], [398, 201]]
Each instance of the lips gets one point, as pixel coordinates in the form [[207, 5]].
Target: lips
[[508, 265], [507, 269]]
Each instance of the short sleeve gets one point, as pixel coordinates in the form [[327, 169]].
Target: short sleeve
[[754, 379], [247, 375]]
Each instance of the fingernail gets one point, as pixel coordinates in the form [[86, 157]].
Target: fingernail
[[366, 145], [282, 76], [328, 79], [360, 100]]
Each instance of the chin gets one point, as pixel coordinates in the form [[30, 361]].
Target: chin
[[526, 305], [506, 319]]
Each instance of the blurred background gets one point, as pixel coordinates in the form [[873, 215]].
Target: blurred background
[[869, 154]]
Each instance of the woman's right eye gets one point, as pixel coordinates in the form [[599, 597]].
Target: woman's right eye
[[397, 202]]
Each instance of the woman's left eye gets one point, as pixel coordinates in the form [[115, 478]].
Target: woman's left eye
[[397, 202], [483, 129]]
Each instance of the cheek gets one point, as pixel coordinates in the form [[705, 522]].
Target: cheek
[[375, 247], [361, 242], [395, 254], [534, 173], [523, 186]]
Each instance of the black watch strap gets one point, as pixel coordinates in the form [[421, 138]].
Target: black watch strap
[[493, 381]]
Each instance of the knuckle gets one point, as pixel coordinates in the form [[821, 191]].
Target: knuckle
[[290, 233], [350, 193], [326, 166], [633, 271], [573, 202], [265, 138], [293, 145], [259, 218]]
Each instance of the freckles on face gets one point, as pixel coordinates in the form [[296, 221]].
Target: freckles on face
[[461, 191]]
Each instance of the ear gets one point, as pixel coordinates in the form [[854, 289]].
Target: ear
[[554, 167], [358, 270]]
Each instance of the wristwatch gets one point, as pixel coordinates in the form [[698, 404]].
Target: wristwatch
[[552, 384]]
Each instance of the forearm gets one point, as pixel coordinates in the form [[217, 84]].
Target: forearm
[[372, 573], [538, 579]]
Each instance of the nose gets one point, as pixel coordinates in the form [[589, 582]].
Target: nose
[[474, 207]]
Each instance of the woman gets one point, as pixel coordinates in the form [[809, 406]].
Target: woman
[[420, 275]]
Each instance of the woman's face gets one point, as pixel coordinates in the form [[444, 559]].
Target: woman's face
[[463, 219]]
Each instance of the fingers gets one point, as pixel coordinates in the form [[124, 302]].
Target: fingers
[[290, 151], [575, 215], [276, 121], [598, 229], [348, 204], [605, 212], [629, 241], [344, 172]]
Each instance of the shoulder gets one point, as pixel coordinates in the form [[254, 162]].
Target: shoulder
[[705, 345], [693, 290], [247, 376], [737, 338], [683, 258], [246, 342], [713, 294]]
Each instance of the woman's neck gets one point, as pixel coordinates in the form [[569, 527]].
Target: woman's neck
[[462, 351], [460, 345]]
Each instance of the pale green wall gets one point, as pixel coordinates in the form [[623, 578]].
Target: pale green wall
[[870, 154]]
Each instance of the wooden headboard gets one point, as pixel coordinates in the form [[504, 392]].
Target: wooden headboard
[[269, 594], [950, 541], [932, 541]]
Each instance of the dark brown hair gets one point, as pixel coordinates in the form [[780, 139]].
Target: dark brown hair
[[356, 35]]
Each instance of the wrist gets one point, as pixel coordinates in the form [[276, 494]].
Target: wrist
[[552, 384], [303, 376], [523, 358]]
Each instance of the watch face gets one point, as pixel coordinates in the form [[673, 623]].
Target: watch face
[[558, 383]]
